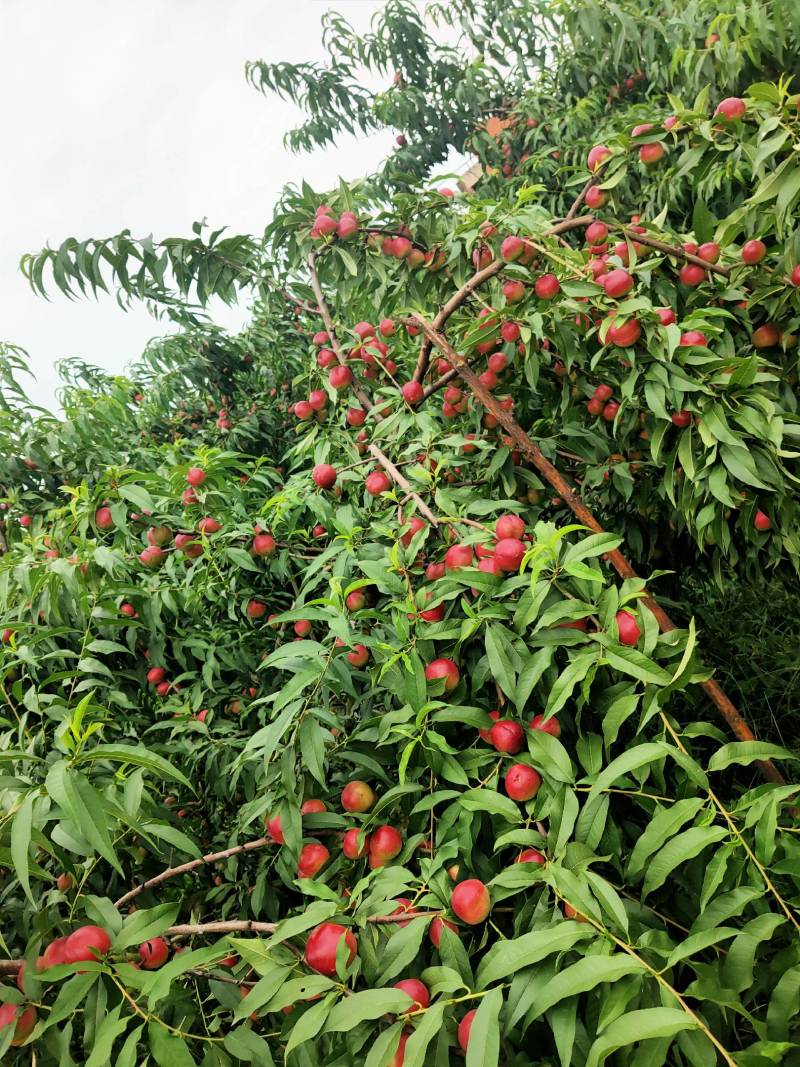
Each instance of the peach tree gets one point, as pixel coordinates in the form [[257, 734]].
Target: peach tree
[[338, 726]]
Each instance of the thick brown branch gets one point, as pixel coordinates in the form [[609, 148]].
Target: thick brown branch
[[579, 509]]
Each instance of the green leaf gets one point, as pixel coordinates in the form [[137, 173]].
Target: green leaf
[[684, 847], [745, 752], [167, 1049], [21, 826], [142, 925], [499, 661], [583, 976], [507, 957], [106, 1034], [634, 1026], [137, 755], [483, 1048], [402, 949], [625, 763], [244, 1044], [425, 1032], [366, 1004]]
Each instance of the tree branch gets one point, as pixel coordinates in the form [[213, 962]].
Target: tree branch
[[184, 868]]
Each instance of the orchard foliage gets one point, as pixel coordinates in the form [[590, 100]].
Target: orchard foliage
[[328, 736]]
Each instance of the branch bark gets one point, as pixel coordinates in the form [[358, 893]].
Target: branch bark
[[185, 868], [622, 566], [403, 482]]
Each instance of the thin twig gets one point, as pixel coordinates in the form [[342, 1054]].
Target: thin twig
[[184, 868]]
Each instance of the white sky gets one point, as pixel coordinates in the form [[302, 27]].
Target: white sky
[[138, 115]]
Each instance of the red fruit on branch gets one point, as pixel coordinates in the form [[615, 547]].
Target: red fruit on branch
[[597, 156], [513, 291], [377, 483], [507, 736], [359, 656], [275, 829], [753, 251], [731, 108], [312, 806], [302, 627], [263, 545], [195, 476], [691, 275], [384, 844], [436, 927], [356, 600], [603, 392], [693, 339], [312, 859], [767, 336], [156, 675], [509, 526], [666, 316], [596, 233], [413, 393], [209, 526], [629, 632], [340, 377], [103, 519], [464, 1029], [522, 782], [509, 553], [624, 334], [762, 521], [318, 399], [547, 286], [595, 197], [552, 726], [530, 855], [418, 991], [324, 475], [595, 406], [320, 953], [681, 419], [153, 953], [458, 556], [617, 283], [653, 153], [446, 669], [256, 609], [357, 796], [511, 248], [470, 901], [86, 943], [794, 277], [510, 331], [610, 411], [22, 1018], [158, 536], [65, 882], [350, 845], [710, 251]]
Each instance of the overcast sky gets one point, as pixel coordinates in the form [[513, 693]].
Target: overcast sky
[[138, 115]]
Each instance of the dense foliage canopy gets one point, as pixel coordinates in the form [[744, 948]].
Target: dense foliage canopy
[[324, 664]]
